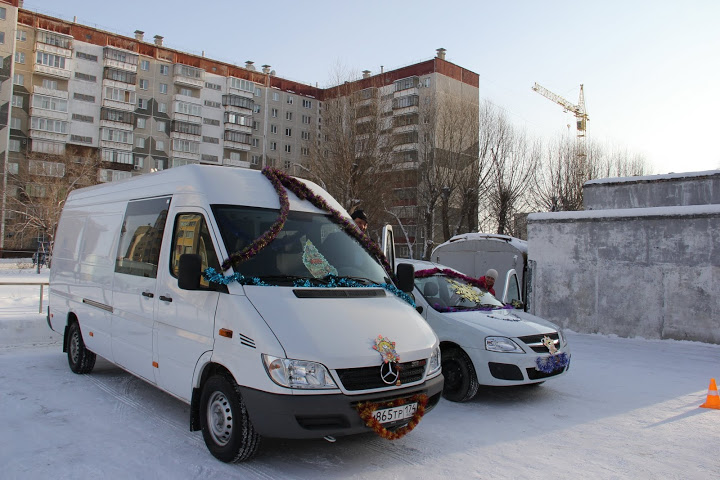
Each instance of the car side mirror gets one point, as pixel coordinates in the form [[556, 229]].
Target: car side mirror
[[189, 271], [405, 277]]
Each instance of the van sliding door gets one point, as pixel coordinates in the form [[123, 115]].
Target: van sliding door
[[134, 285]]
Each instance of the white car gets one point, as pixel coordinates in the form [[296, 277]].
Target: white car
[[482, 341]]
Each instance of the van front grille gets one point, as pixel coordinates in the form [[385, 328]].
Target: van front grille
[[367, 378]]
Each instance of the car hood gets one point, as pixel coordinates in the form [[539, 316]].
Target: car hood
[[504, 322], [341, 332]]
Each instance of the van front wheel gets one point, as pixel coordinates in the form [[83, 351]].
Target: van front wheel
[[226, 426], [80, 359]]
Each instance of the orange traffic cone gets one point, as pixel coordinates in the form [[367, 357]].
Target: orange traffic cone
[[713, 400]]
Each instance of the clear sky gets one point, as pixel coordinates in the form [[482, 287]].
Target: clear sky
[[650, 69]]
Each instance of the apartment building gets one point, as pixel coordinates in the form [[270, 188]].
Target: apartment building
[[69, 89]]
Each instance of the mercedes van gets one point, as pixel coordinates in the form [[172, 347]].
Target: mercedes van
[[312, 328]]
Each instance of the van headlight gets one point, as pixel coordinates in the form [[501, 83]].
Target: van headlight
[[290, 373], [502, 345], [435, 362]]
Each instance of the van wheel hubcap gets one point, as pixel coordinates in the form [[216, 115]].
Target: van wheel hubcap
[[74, 347], [219, 418]]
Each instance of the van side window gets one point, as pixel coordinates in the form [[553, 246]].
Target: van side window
[[191, 235], [141, 237], [513, 292]]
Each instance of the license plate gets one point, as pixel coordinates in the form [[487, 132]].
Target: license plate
[[393, 414]]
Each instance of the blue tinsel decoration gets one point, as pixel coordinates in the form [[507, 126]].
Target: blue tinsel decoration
[[331, 281], [552, 363]]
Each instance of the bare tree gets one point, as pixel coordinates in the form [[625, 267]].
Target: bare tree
[[38, 189], [511, 159], [352, 154]]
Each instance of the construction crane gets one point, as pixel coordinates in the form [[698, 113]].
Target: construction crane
[[579, 110]]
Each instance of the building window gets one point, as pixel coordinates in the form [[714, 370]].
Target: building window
[[288, 149], [142, 103], [255, 141], [258, 92], [50, 84], [288, 115], [305, 135], [164, 69], [2, 38], [18, 79], [162, 107], [140, 122], [306, 119], [144, 65], [161, 126], [276, 96], [83, 118], [48, 125], [140, 142], [163, 88], [143, 84], [188, 108], [120, 95], [288, 132], [305, 151], [86, 56], [49, 60], [255, 160], [210, 103], [21, 36], [15, 123], [211, 121], [83, 97], [186, 91], [256, 109], [273, 145], [20, 57], [85, 76], [3, 13], [274, 112], [14, 145], [213, 86], [17, 101], [290, 99], [273, 128], [211, 140], [160, 145], [307, 103], [113, 135]]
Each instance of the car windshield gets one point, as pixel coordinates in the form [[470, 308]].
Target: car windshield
[[445, 293], [310, 246]]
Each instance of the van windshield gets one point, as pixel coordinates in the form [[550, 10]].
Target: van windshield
[[310, 246]]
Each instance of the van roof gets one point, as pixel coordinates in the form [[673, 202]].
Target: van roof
[[219, 185], [468, 242]]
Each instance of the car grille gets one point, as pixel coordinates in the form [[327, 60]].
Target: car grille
[[535, 341], [367, 378]]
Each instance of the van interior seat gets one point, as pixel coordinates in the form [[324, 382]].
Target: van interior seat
[[430, 289]]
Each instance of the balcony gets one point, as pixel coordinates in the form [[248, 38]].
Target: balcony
[[54, 43], [118, 105], [53, 114], [183, 158], [120, 59], [52, 49], [238, 104], [125, 147], [50, 92], [189, 76], [116, 84], [45, 135], [51, 71], [236, 163]]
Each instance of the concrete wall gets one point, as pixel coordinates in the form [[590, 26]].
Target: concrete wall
[[693, 188], [648, 272]]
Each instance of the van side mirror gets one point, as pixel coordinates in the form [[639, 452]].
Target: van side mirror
[[189, 271], [405, 277]]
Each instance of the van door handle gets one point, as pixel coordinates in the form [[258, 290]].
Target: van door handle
[[147, 294], [165, 299]]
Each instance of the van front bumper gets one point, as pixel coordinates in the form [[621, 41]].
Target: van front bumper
[[317, 416]]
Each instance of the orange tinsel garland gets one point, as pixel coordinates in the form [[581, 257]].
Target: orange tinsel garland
[[367, 409]]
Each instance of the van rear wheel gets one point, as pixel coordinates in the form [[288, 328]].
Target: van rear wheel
[[80, 359], [226, 426], [461, 382]]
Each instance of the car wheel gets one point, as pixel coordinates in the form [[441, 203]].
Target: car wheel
[[80, 359], [226, 426], [461, 382]]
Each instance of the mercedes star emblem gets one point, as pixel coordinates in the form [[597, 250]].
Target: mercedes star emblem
[[390, 373]]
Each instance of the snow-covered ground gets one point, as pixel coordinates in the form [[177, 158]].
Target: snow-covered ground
[[628, 408]]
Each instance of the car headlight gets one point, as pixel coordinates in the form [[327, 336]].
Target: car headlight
[[435, 363], [290, 373], [502, 344]]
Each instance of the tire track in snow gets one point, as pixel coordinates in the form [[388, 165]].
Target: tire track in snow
[[159, 419]]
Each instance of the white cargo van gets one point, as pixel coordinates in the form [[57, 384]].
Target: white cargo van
[[288, 350], [475, 253]]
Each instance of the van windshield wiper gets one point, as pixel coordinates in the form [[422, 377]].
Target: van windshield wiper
[[363, 280]]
